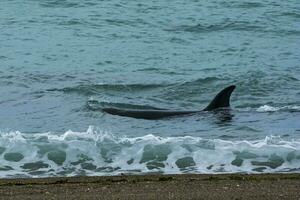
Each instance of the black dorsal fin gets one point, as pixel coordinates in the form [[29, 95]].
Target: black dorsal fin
[[221, 100]]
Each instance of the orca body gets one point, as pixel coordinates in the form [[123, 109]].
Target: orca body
[[221, 100]]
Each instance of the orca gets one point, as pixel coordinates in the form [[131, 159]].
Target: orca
[[221, 100]]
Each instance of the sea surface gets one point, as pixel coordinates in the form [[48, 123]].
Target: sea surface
[[61, 61]]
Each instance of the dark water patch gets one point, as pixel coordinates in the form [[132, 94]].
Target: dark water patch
[[185, 162], [172, 73], [106, 169], [129, 162], [66, 171], [57, 156], [59, 4], [161, 71], [178, 41], [241, 156], [37, 173], [243, 5], [273, 162], [28, 39], [3, 57], [285, 135], [7, 83], [259, 169], [72, 22], [154, 165], [81, 159], [149, 69], [88, 166], [225, 26], [237, 162], [226, 137], [37, 94], [293, 14], [245, 154], [291, 32], [34, 166], [6, 168], [243, 26], [8, 101], [249, 5], [90, 3], [288, 77], [209, 69], [123, 22], [13, 157], [155, 153]]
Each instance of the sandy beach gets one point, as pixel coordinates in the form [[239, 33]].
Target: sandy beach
[[228, 186]]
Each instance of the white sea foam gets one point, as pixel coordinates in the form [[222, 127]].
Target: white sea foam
[[267, 108], [97, 152]]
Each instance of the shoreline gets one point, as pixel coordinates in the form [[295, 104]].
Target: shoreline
[[185, 186]]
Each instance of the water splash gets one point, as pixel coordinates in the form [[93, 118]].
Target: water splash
[[97, 152]]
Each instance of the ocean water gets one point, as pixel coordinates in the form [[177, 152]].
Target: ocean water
[[61, 61]]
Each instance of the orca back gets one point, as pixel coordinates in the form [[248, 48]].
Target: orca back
[[221, 100]]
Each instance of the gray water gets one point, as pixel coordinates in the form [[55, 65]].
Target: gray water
[[61, 61]]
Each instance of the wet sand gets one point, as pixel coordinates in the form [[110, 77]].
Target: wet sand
[[228, 186]]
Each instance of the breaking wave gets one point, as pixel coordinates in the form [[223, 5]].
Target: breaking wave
[[267, 108], [96, 152]]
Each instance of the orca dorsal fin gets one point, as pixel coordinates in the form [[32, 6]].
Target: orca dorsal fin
[[221, 100]]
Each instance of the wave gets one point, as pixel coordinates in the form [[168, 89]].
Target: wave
[[96, 89], [59, 4], [92, 89], [93, 104], [245, 26], [294, 14], [269, 108], [96, 152], [224, 26], [200, 81]]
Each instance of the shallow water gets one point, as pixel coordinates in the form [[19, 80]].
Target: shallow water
[[62, 61]]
